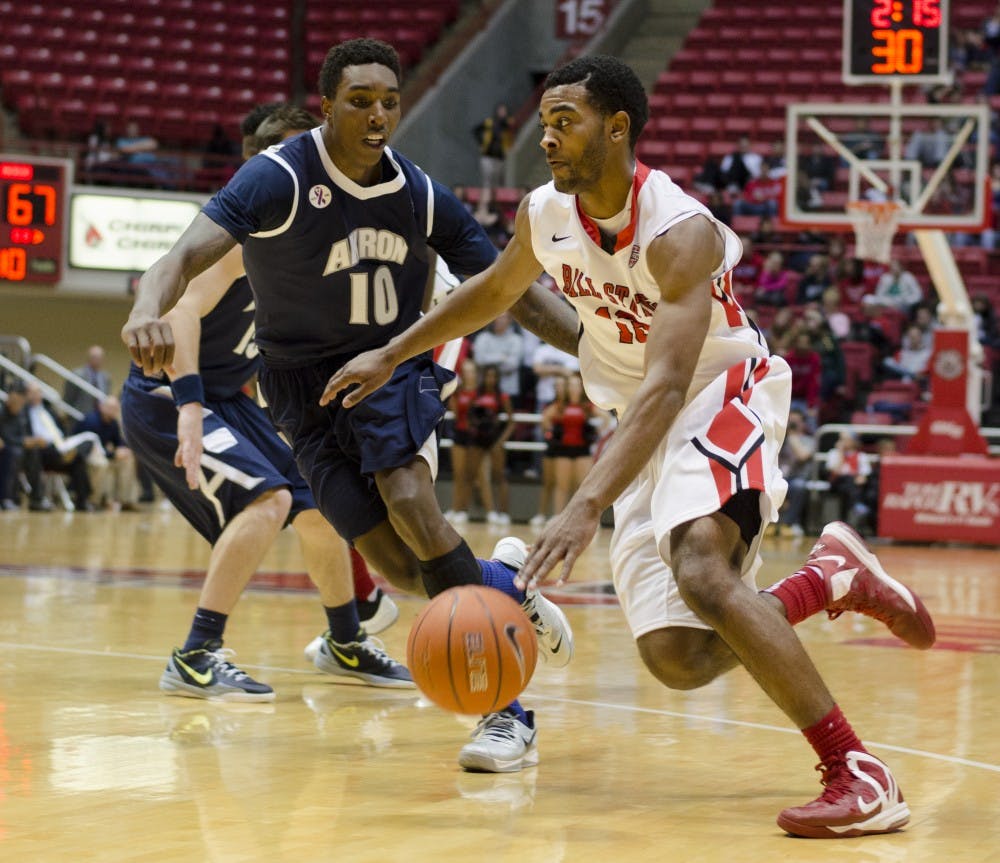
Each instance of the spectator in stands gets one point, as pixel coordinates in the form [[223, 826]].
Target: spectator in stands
[[461, 437], [220, 150], [848, 468], [910, 362], [867, 327], [766, 235], [991, 43], [807, 369], [925, 318], [99, 152], [494, 136], [116, 484], [774, 166], [14, 428], [782, 330], [746, 273], [143, 164], [94, 374], [795, 459], [987, 327], [760, 197], [774, 283], [820, 168], [567, 427], [491, 421], [836, 317], [719, 206], [821, 338], [897, 289], [740, 166], [850, 281], [44, 449], [814, 281], [501, 345], [862, 141], [929, 146], [709, 179]]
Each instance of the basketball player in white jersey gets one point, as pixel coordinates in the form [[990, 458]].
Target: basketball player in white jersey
[[693, 468]]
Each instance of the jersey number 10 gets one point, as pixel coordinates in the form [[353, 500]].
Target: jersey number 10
[[380, 303]]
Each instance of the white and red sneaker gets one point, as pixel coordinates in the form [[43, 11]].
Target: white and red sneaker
[[860, 797], [856, 581]]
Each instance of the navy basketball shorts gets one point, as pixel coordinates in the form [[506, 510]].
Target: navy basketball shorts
[[243, 457], [339, 451]]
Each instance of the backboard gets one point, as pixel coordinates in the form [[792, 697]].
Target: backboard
[[931, 159]]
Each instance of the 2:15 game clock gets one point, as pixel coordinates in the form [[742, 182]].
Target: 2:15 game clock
[[888, 40], [32, 219]]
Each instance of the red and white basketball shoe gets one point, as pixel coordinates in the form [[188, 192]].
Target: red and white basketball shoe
[[856, 581], [860, 797]]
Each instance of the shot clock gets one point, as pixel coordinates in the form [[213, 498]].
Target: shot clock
[[886, 40], [32, 218]]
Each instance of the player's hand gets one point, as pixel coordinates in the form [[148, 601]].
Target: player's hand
[[369, 371], [564, 539], [189, 446], [150, 341]]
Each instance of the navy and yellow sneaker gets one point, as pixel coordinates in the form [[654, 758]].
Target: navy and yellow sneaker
[[364, 659], [205, 672]]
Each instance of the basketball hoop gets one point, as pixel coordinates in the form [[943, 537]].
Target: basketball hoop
[[874, 224]]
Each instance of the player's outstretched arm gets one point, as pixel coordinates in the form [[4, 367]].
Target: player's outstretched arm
[[682, 260], [148, 339], [184, 319], [468, 308]]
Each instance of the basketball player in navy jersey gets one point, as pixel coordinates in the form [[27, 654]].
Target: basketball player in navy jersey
[[335, 228], [238, 484]]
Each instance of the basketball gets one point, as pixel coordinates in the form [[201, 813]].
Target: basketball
[[472, 650]]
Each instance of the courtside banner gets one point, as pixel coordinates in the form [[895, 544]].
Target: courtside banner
[[121, 232], [944, 499]]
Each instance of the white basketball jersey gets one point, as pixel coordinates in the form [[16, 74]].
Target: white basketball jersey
[[615, 294]]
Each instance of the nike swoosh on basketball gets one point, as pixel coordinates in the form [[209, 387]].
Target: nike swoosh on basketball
[[556, 239], [202, 678], [350, 661], [511, 630]]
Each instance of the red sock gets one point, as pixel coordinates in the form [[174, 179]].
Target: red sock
[[832, 735], [802, 594], [364, 587]]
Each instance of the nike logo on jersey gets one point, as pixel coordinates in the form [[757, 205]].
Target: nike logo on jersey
[[366, 244], [202, 678], [344, 659], [556, 239]]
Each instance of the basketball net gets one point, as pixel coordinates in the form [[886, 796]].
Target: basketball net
[[875, 224]]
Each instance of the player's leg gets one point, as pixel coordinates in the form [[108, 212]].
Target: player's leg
[[346, 649], [375, 607], [861, 795], [239, 507]]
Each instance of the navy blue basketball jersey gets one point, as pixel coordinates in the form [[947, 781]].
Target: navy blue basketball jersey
[[228, 355], [338, 268]]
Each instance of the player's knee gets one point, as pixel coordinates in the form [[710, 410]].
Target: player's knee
[[679, 657], [703, 574], [275, 505]]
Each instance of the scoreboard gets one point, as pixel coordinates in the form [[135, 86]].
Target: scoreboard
[[886, 40], [32, 218]]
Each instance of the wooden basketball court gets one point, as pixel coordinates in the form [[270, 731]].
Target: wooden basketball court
[[97, 765]]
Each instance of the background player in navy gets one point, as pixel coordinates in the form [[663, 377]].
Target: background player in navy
[[238, 486], [335, 229]]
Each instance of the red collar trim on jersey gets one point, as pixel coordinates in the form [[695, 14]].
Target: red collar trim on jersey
[[626, 237]]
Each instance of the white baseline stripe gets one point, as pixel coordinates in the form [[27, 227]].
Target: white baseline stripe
[[936, 756]]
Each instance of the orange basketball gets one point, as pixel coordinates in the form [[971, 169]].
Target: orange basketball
[[472, 650]]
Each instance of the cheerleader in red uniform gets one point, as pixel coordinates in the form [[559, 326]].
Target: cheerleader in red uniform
[[491, 420], [459, 404], [566, 423]]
